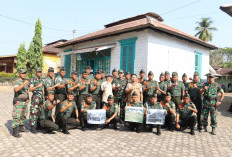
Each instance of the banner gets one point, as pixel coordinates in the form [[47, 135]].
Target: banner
[[155, 116], [96, 116], [134, 114]]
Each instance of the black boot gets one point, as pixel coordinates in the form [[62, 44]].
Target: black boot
[[16, 133], [192, 132], [33, 129], [66, 132], [158, 130], [115, 127], [22, 128]]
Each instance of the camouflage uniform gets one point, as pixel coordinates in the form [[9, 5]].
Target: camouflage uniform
[[36, 100], [65, 120], [48, 82], [45, 117], [150, 92], [169, 118], [119, 95], [110, 111], [19, 104], [97, 93], [75, 91], [209, 102]]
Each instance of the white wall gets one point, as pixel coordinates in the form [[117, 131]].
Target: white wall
[[173, 54], [140, 51]]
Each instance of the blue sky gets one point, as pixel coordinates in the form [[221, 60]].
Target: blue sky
[[91, 15]]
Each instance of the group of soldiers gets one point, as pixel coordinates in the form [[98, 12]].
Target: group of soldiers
[[61, 104]]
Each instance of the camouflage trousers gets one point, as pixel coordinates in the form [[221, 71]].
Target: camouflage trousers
[[19, 113], [36, 103], [205, 113]]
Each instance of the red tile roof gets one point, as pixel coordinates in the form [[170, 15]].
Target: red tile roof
[[223, 71], [146, 22]]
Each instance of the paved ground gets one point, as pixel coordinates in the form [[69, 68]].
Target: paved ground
[[114, 143]]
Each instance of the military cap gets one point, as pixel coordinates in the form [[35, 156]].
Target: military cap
[[97, 72], [168, 94], [22, 71], [120, 71], [84, 72], [196, 73], [154, 95], [50, 69], [187, 95], [134, 94], [89, 95], [109, 75], [114, 70], [184, 75], [127, 73], [73, 73], [50, 92], [142, 71], [62, 69], [210, 75], [174, 74], [103, 72], [162, 74], [70, 93], [167, 73], [110, 97], [39, 70], [88, 67], [150, 73]]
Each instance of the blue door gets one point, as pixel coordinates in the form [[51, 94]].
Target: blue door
[[198, 63]]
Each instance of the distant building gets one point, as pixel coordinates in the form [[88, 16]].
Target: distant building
[[227, 9], [140, 42], [225, 78], [50, 58]]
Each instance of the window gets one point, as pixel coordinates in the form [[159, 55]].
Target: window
[[198, 63], [67, 63], [127, 54], [107, 66]]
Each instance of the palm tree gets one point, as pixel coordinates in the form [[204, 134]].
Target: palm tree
[[204, 29]]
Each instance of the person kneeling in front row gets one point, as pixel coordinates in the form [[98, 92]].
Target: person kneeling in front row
[[111, 112], [46, 119], [185, 113], [65, 120]]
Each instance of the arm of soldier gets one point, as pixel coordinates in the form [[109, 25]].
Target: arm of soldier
[[52, 87], [76, 112], [162, 91], [63, 107], [72, 88], [48, 85], [92, 86], [81, 87], [193, 108], [222, 95], [128, 89], [32, 88], [82, 107], [203, 89], [141, 94], [113, 116], [171, 110], [18, 87], [182, 90], [177, 120]]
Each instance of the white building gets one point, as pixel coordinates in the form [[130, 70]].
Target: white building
[[140, 42]]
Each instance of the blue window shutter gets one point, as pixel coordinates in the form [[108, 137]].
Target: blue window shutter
[[127, 54], [67, 63], [198, 63]]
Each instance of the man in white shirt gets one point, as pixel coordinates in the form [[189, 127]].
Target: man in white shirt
[[107, 88]]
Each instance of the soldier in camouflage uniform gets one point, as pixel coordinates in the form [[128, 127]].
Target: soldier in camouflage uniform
[[65, 121], [36, 87], [73, 86], [20, 101], [61, 89], [170, 107], [176, 88], [167, 77], [150, 86], [194, 91], [162, 88], [153, 104], [115, 75], [95, 89], [119, 86], [135, 103], [84, 83], [86, 104], [49, 84], [142, 75], [128, 77], [186, 113], [111, 112], [46, 119], [210, 102], [184, 80]]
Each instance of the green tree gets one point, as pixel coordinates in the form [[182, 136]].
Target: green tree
[[21, 57], [221, 57], [204, 29], [35, 54]]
